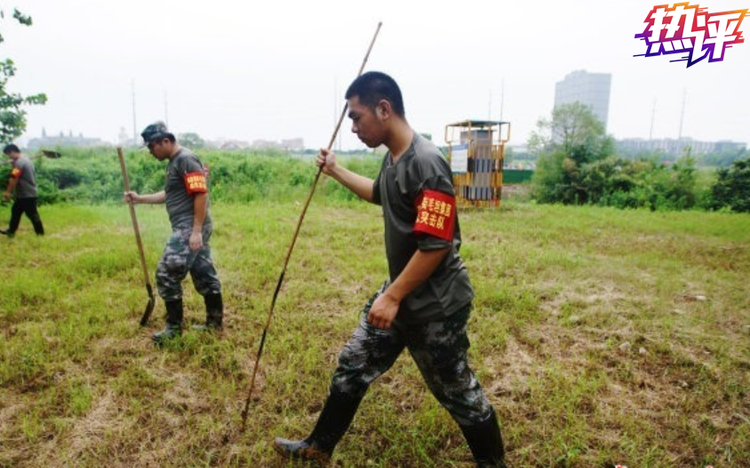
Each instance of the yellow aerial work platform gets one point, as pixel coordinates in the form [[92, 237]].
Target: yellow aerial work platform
[[476, 149]]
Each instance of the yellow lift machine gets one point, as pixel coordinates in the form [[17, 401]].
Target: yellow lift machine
[[476, 149]]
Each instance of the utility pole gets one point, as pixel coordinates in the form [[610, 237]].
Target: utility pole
[[489, 110], [653, 114], [682, 113], [166, 110], [135, 128], [682, 118], [502, 98]]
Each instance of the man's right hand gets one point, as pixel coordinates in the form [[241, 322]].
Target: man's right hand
[[131, 197], [326, 160]]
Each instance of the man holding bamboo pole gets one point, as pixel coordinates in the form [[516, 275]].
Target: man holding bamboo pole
[[425, 304], [187, 251]]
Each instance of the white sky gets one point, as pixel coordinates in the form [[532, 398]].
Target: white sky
[[278, 69]]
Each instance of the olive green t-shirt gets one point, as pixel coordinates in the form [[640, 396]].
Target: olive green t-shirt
[[399, 188], [179, 202]]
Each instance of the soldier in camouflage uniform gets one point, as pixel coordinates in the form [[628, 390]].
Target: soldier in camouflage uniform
[[425, 304], [23, 183], [187, 250]]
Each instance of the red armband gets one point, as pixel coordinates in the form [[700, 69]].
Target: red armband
[[436, 214], [195, 182], [16, 173]]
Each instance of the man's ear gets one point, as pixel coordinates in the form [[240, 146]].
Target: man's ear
[[383, 109]]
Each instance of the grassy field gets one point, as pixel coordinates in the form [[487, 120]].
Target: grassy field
[[601, 336]]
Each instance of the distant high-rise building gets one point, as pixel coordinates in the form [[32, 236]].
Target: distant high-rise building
[[590, 89]]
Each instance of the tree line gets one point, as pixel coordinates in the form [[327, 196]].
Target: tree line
[[575, 174], [93, 175], [577, 164]]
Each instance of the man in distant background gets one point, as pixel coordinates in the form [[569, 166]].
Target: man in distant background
[[187, 251], [23, 182]]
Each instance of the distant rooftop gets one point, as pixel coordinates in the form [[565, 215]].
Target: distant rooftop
[[478, 123]]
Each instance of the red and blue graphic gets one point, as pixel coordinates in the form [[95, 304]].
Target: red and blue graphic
[[692, 32]]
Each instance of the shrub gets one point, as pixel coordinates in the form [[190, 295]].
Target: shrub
[[732, 188]]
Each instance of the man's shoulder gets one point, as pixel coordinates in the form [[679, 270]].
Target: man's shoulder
[[186, 153], [23, 162], [185, 157], [426, 153]]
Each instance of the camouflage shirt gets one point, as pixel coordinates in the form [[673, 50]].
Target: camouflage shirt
[[23, 170], [182, 168], [418, 201]]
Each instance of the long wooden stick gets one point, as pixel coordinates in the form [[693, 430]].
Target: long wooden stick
[[294, 240], [149, 289]]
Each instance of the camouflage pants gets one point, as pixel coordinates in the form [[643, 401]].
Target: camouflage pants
[[439, 348], [178, 260]]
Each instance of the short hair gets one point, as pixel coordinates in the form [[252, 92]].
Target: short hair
[[11, 148], [373, 86]]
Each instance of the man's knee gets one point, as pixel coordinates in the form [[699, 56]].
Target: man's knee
[[169, 287]]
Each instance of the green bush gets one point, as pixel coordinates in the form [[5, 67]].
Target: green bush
[[94, 176], [732, 188], [617, 182]]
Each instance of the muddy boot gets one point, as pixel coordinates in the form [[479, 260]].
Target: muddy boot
[[333, 422], [486, 443], [214, 313], [174, 323]]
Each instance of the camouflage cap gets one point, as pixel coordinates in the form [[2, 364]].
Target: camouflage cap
[[153, 132]]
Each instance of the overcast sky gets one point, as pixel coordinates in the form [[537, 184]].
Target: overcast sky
[[278, 69]]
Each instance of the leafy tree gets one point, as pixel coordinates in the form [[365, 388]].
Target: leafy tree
[[550, 184], [191, 140], [12, 116], [724, 158], [572, 138], [576, 131], [576, 165], [732, 187]]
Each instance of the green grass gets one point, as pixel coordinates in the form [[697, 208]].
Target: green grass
[[601, 337]]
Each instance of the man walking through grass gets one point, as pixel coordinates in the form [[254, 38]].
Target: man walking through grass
[[187, 251], [23, 183], [425, 304]]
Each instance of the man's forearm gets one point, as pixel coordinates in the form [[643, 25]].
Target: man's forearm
[[359, 185], [153, 198], [200, 203], [416, 272]]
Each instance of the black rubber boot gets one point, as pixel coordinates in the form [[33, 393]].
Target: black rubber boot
[[333, 422], [486, 443], [174, 322], [214, 313]]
